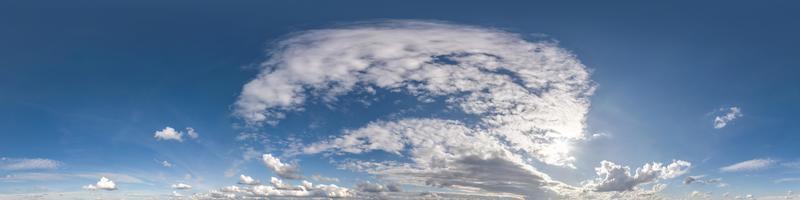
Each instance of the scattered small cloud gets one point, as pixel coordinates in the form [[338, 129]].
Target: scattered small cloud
[[192, 133], [181, 186], [169, 133], [749, 165], [722, 120], [103, 184], [701, 179], [166, 164]]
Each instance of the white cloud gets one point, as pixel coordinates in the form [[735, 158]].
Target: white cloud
[[166, 164], [613, 177], [700, 195], [529, 101], [723, 120], [749, 165], [247, 180], [13, 164], [181, 186], [169, 133], [320, 178], [281, 169], [277, 189], [531, 95], [192, 133], [103, 184]]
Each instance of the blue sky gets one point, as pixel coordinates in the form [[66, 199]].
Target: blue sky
[[85, 86]]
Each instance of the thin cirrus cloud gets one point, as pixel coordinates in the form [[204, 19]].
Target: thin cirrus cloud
[[169, 133], [14, 164], [749, 165], [722, 120], [511, 85]]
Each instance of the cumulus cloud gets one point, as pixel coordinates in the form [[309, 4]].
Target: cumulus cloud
[[749, 165], [103, 184], [281, 169], [723, 120], [181, 186], [13, 164], [169, 133], [613, 177], [247, 180]]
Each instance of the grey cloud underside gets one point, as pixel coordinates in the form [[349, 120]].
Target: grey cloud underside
[[530, 99]]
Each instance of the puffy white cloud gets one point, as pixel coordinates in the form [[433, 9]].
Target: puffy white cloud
[[723, 120], [749, 165], [247, 180], [613, 177], [169, 133], [103, 184], [281, 169], [181, 186], [13, 164]]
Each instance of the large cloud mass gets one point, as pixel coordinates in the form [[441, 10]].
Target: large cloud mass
[[530, 100]]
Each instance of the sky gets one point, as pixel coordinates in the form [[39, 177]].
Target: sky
[[406, 100]]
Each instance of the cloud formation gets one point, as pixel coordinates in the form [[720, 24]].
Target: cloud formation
[[181, 186], [281, 169], [613, 177], [530, 99], [103, 184], [247, 180], [723, 120], [14, 164], [277, 189], [169, 133], [749, 165]]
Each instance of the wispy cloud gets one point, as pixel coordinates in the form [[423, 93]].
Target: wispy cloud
[[723, 120], [749, 165], [13, 164]]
